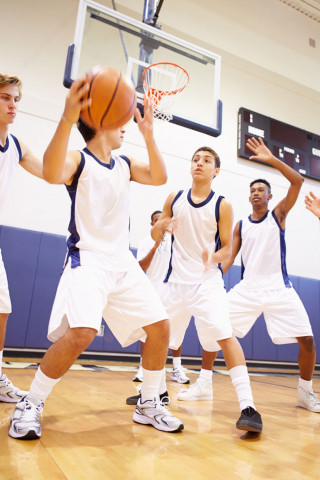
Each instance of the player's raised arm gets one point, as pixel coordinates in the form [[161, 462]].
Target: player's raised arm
[[155, 172], [59, 165], [165, 223], [262, 153]]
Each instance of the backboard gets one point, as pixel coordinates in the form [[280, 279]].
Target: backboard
[[106, 37]]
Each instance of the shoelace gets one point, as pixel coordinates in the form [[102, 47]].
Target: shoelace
[[31, 412], [249, 411], [313, 397]]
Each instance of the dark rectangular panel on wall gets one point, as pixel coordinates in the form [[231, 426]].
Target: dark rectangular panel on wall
[[20, 250], [52, 254]]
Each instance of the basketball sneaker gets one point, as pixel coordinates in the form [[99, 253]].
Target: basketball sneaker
[[138, 376], [179, 376], [25, 423], [308, 400], [250, 420], [153, 412], [164, 398], [8, 392], [200, 390]]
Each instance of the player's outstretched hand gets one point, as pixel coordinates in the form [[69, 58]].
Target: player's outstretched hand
[[75, 100], [313, 204], [145, 124], [260, 150]]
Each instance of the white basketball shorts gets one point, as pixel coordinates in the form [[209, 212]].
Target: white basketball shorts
[[207, 303], [126, 300], [284, 313], [5, 303]]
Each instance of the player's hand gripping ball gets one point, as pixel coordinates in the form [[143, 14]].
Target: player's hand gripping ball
[[113, 99]]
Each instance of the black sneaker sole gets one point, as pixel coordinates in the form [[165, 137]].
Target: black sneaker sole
[[31, 435], [249, 426]]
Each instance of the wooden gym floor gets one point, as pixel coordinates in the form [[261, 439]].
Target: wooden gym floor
[[88, 432]]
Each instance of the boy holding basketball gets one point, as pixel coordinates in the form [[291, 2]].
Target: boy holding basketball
[[201, 224], [12, 153], [265, 286], [101, 277]]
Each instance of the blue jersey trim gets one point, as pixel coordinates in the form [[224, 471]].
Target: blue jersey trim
[[283, 251], [5, 148], [242, 264], [16, 141], [175, 199], [73, 250], [126, 159], [201, 204], [110, 165], [217, 235], [170, 261], [261, 219]]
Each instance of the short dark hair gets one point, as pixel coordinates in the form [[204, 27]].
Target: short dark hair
[[87, 132], [210, 150], [155, 213], [261, 180]]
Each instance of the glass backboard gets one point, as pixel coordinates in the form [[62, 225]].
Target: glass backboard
[[106, 37]]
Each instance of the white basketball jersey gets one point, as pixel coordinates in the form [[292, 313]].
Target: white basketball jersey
[[99, 224], [158, 267], [197, 229], [263, 253], [10, 156]]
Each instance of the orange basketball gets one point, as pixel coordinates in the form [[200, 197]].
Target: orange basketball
[[113, 99]]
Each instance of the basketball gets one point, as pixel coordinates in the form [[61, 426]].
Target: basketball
[[113, 99]]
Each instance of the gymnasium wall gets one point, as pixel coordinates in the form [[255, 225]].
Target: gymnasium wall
[[267, 66]]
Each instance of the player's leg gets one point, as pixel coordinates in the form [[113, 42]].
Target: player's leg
[[134, 312], [74, 322], [8, 392], [202, 388], [138, 377], [287, 322], [178, 373]]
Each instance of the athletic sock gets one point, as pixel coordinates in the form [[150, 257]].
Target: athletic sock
[[151, 384], [41, 387], [241, 382], [1, 357], [205, 375], [176, 362], [305, 384], [163, 383]]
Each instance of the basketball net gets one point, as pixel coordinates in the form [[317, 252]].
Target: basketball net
[[163, 83]]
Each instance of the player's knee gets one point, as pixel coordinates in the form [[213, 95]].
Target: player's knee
[[160, 331], [81, 337], [307, 343]]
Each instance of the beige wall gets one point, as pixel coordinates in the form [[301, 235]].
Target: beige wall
[[267, 65]]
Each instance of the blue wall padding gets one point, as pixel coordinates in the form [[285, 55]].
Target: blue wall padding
[[34, 263]]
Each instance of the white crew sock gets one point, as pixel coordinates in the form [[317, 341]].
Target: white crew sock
[[163, 384], [205, 375], [176, 362], [41, 387], [305, 384], [151, 384], [1, 357], [241, 382]]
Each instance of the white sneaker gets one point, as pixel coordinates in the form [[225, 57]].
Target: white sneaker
[[8, 392], [198, 391], [25, 423], [308, 400], [179, 376], [152, 412], [138, 376]]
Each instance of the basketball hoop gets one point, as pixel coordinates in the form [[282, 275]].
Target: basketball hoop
[[163, 83]]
